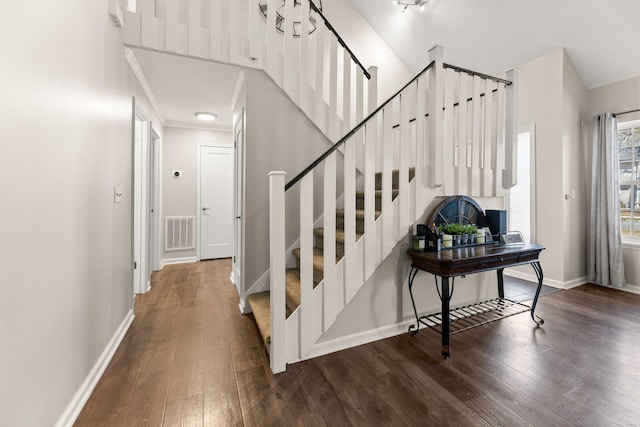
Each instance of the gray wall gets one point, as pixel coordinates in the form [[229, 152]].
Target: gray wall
[[66, 258], [180, 152]]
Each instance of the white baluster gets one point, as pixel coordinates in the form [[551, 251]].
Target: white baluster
[[499, 153], [329, 241], [277, 270], [372, 243], [436, 134], [346, 93], [510, 175], [333, 88], [307, 306], [449, 126], [388, 214], [462, 175], [147, 11], [195, 32], [421, 99], [489, 139], [475, 178], [303, 81], [215, 30], [290, 65], [352, 277], [407, 112]]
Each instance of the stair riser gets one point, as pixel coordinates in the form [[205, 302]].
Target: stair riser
[[395, 178], [339, 246], [359, 224], [378, 199], [317, 274]]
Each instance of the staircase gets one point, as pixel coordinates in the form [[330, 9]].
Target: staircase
[[260, 302]]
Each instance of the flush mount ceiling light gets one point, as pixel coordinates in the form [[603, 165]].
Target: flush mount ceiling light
[[407, 3], [207, 117]]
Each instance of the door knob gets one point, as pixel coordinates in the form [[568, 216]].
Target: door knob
[[205, 209]]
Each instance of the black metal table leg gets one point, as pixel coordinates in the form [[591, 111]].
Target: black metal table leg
[[445, 297], [538, 269], [500, 282], [413, 329]]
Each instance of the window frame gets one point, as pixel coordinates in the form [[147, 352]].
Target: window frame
[[629, 239]]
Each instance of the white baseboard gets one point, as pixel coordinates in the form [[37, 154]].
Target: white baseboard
[[171, 261], [82, 395], [360, 338], [632, 289], [546, 281], [244, 307]]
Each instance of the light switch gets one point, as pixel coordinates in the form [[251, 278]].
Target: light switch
[[117, 195]]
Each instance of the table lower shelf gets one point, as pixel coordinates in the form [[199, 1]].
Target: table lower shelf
[[474, 315]]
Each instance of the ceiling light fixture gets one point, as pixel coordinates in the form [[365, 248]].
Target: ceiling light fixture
[[407, 3], [207, 117]]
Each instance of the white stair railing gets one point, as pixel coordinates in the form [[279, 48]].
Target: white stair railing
[[317, 69], [425, 126]]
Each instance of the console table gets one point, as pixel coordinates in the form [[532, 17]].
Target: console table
[[451, 263]]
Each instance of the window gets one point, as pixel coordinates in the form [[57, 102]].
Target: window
[[521, 200], [629, 149]]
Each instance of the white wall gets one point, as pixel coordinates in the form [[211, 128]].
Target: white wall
[[615, 98], [66, 257], [181, 147], [576, 174], [541, 88], [368, 46]]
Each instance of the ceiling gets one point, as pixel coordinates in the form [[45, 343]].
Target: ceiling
[[602, 38], [183, 86]]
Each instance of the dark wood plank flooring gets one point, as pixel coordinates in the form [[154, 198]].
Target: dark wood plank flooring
[[191, 359]]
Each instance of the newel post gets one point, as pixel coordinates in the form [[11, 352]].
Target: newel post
[[277, 267], [436, 117], [510, 172]]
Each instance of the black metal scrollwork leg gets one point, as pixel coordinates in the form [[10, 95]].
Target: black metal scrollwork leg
[[446, 297], [413, 329], [538, 269]]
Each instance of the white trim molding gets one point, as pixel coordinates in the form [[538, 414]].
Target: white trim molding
[[546, 281], [84, 392], [360, 338], [171, 261], [137, 71]]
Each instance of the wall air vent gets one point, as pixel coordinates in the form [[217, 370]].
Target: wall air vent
[[179, 233]]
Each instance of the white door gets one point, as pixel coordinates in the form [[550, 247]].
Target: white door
[[238, 132], [216, 202]]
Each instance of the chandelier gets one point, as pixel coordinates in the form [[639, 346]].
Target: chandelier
[[407, 3]]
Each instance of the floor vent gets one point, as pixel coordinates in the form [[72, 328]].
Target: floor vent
[[179, 233]]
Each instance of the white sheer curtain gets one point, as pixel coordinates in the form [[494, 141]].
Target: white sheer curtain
[[605, 243]]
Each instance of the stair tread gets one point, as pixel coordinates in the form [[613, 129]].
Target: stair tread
[[319, 232], [359, 213], [292, 288], [318, 258], [394, 192], [260, 304]]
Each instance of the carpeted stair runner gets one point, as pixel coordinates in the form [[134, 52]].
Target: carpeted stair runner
[[260, 302]]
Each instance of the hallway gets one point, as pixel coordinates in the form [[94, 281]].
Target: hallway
[[191, 359]]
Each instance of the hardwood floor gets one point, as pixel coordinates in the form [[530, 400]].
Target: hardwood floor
[[191, 359]]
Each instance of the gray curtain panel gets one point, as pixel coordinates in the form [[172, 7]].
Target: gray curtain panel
[[605, 243]]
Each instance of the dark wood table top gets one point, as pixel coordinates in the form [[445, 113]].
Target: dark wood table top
[[474, 259]]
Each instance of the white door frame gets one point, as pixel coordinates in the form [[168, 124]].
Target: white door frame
[[237, 270], [155, 200], [142, 233]]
